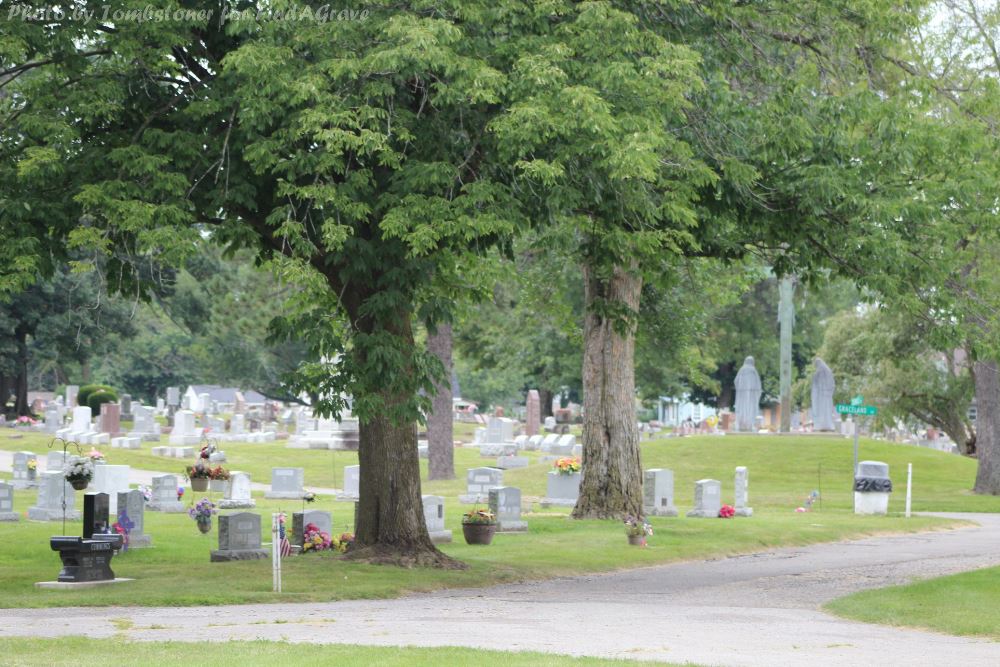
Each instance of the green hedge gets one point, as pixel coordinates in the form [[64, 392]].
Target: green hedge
[[83, 396], [98, 398]]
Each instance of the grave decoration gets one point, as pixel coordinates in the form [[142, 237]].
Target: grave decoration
[[123, 526], [809, 502], [24, 422], [314, 539], [202, 514], [727, 512], [199, 474], [637, 530], [479, 526], [79, 470], [567, 465]]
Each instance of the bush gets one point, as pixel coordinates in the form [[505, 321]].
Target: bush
[[83, 396], [99, 398]]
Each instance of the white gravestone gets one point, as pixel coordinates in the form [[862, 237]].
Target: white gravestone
[[286, 483], [872, 487], [352, 484], [126, 442], [509, 462], [55, 461], [434, 517], [237, 493], [133, 505], [707, 499], [71, 391], [81, 421], [53, 489], [478, 482], [561, 489], [563, 445], [7, 512], [164, 495], [548, 442], [184, 432], [110, 479], [173, 396], [144, 425], [534, 443], [505, 503], [742, 482], [658, 492]]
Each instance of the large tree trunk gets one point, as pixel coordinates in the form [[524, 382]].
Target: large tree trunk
[[545, 397], [612, 472], [987, 385], [6, 388], [21, 407], [390, 526], [441, 420], [727, 393]]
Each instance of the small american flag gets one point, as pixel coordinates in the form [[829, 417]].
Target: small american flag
[[284, 545]]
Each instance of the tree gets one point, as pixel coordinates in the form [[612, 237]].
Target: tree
[[441, 420], [888, 357]]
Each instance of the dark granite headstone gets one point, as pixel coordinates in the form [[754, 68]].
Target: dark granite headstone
[[239, 538], [86, 560], [95, 514]]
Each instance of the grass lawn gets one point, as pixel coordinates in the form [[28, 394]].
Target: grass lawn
[[960, 604], [783, 470], [82, 651]]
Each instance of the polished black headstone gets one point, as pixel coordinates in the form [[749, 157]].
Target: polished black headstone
[[95, 514], [86, 560]]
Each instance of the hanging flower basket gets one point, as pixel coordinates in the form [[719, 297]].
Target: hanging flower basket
[[637, 540], [79, 483], [205, 526]]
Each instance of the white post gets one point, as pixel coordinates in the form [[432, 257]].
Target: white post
[[276, 552], [909, 485]]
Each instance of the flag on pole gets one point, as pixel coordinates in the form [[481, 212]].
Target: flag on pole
[[284, 546]]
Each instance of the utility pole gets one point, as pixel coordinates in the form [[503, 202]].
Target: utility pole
[[786, 319]]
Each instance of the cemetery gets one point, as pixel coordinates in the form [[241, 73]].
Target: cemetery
[[514, 332]]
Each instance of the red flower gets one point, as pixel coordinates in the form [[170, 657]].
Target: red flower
[[727, 512]]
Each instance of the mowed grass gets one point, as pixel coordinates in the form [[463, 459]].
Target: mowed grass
[[82, 651], [960, 604], [783, 470]]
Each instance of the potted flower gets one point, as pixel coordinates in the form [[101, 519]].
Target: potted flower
[[79, 470], [199, 474], [219, 477], [563, 481], [24, 422], [202, 514], [32, 469], [479, 526], [637, 530]]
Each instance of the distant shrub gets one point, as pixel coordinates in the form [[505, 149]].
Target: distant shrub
[[99, 398], [83, 396]]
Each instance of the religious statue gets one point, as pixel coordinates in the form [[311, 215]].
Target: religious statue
[[822, 397], [747, 396]]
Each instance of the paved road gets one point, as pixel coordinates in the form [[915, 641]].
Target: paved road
[[756, 610]]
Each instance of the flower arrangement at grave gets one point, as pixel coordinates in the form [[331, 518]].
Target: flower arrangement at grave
[[344, 542], [219, 473], [809, 501], [479, 517], [32, 468], [637, 530], [24, 421], [202, 514], [123, 527], [567, 465], [479, 526], [314, 539], [79, 470], [180, 492], [727, 512], [147, 493], [199, 474], [95, 456]]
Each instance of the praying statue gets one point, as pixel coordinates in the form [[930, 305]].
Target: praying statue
[[822, 397], [747, 396]]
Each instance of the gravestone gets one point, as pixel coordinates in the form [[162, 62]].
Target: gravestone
[[872, 487], [144, 425], [163, 497], [500, 429], [707, 499], [126, 403], [53, 418], [352, 483], [84, 560], [563, 445], [24, 478], [237, 494], [823, 387], [110, 420], [95, 514], [7, 512], [71, 391], [54, 461], [184, 431], [658, 492], [478, 482], [548, 442], [509, 462], [52, 490], [126, 442], [110, 479], [286, 483], [173, 396], [505, 503], [534, 443], [161, 405], [741, 485], [132, 504], [81, 421], [239, 538], [748, 390], [434, 517], [561, 489], [489, 449], [322, 520], [550, 423], [532, 422]]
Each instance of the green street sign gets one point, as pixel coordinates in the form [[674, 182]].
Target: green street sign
[[868, 410], [858, 400]]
